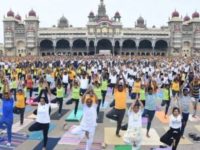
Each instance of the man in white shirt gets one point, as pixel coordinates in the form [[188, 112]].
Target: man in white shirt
[[88, 123]]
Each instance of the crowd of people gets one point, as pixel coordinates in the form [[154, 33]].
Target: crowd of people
[[170, 82]]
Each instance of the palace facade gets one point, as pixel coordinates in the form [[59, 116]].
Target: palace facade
[[26, 37]]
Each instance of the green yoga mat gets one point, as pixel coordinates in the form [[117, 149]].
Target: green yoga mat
[[72, 117], [123, 147], [38, 135]]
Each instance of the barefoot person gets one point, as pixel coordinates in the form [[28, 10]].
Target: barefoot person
[[88, 123], [120, 96], [133, 134], [173, 135], [6, 120], [42, 119]]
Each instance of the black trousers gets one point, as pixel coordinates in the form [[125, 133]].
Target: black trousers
[[38, 127], [103, 96], [98, 106], [117, 115], [60, 103], [19, 111], [65, 85], [170, 136], [76, 101], [30, 91]]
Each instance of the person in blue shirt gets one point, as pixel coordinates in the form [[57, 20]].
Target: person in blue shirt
[[6, 120], [150, 107]]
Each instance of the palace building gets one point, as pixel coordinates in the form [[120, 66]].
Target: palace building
[[102, 34]]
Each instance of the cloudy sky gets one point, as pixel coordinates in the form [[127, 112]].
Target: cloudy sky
[[155, 12]]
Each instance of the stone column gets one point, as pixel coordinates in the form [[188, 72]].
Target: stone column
[[71, 45], [153, 46], [54, 46], [137, 45], [95, 47], [120, 45]]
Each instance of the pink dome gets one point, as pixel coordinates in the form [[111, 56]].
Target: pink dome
[[32, 13], [91, 14], [10, 13], [117, 14], [195, 15], [175, 14], [186, 18], [18, 17]]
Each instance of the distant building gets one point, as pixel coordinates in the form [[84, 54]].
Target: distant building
[[1, 49], [26, 37]]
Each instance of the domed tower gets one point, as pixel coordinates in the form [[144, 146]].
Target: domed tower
[[175, 24], [63, 22], [31, 28], [91, 16], [140, 23], [117, 16], [18, 17], [195, 23], [186, 18], [101, 10], [9, 24]]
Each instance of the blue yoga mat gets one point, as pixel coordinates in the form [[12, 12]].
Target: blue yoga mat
[[74, 118], [38, 135]]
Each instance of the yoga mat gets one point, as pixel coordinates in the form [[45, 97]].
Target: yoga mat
[[72, 117], [17, 127], [28, 109], [197, 127], [71, 139], [53, 105], [100, 117], [111, 139], [184, 141], [167, 148], [38, 135], [192, 119], [17, 139], [105, 106], [32, 116], [95, 146], [51, 144], [161, 116], [55, 116], [123, 147], [144, 120]]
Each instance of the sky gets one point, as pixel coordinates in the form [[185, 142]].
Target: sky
[[155, 12]]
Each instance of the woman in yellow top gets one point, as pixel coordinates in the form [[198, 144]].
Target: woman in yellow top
[[20, 105], [175, 87], [136, 89], [120, 96], [72, 75]]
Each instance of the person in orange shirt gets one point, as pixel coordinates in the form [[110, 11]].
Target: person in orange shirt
[[20, 105], [120, 96], [72, 75]]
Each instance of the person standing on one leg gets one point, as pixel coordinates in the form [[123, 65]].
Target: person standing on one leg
[[166, 98], [104, 87], [195, 89], [97, 91], [75, 96], [185, 101], [88, 123], [42, 119], [6, 120], [59, 97], [150, 107], [20, 105], [120, 96]]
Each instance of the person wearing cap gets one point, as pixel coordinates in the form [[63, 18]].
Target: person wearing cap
[[42, 119], [20, 105], [75, 96], [88, 123], [133, 134], [6, 120], [120, 97]]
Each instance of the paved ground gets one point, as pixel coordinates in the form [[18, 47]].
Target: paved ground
[[99, 136]]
